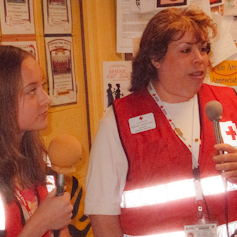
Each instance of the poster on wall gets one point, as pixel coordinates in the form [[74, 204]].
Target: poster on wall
[[29, 46], [116, 80], [57, 16], [61, 75], [17, 17], [225, 73]]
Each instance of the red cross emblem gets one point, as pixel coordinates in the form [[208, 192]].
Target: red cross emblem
[[231, 132], [141, 118]]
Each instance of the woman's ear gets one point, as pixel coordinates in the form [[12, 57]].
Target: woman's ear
[[156, 64]]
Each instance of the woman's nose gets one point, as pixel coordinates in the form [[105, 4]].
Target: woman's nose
[[199, 56], [45, 100]]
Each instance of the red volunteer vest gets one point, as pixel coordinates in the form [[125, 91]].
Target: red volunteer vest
[[158, 157], [14, 218]]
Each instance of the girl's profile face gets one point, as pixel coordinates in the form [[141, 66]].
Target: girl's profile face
[[33, 101]]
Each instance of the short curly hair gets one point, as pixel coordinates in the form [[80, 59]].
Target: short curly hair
[[161, 30]]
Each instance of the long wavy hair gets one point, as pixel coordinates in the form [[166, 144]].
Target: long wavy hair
[[19, 160], [167, 26]]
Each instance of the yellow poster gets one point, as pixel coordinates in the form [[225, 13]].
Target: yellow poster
[[225, 73]]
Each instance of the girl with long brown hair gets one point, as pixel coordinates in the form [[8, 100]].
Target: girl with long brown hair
[[30, 210]]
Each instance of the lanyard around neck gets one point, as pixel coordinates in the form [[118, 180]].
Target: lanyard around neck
[[195, 144], [23, 201]]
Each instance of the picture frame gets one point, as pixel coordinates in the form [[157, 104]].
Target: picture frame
[[170, 3]]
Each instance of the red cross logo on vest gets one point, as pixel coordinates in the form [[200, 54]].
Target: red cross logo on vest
[[231, 132]]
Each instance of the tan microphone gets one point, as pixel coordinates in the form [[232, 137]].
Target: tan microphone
[[64, 152]]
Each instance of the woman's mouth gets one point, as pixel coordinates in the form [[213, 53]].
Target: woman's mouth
[[197, 74]]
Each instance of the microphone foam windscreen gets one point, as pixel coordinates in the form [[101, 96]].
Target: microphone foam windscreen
[[64, 150], [214, 110]]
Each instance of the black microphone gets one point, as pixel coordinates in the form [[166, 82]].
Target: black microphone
[[214, 111], [59, 184]]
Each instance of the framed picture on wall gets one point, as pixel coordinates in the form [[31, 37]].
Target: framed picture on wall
[[60, 65], [57, 16], [17, 17], [170, 3], [216, 2]]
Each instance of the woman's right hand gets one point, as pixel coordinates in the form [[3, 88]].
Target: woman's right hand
[[55, 211]]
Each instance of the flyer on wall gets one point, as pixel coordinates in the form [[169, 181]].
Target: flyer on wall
[[17, 17], [57, 17], [130, 24], [116, 80], [29, 46], [61, 75]]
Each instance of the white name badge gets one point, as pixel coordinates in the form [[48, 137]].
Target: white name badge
[[203, 230], [142, 123]]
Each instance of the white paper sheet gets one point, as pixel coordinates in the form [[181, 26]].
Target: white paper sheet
[[129, 25], [223, 46], [147, 6]]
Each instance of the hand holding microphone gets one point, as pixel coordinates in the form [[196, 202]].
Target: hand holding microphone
[[227, 163]]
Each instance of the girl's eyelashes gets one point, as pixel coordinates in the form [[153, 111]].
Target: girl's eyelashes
[[32, 91]]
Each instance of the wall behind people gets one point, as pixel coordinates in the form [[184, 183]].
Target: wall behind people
[[100, 44]]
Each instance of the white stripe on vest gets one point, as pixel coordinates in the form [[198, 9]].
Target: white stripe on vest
[[173, 191]]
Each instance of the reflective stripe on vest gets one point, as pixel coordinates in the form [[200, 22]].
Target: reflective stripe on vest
[[221, 232], [173, 191]]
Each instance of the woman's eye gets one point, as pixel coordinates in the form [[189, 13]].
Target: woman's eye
[[204, 49], [187, 50], [32, 91]]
